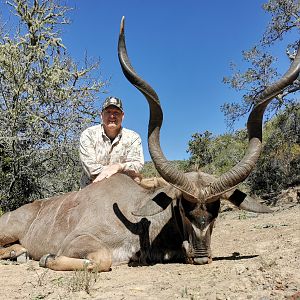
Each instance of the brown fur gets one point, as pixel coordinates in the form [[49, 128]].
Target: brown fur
[[97, 223]]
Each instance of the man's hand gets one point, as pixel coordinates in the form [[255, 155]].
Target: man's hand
[[108, 171]]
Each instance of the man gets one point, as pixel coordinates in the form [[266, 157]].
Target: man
[[108, 148]]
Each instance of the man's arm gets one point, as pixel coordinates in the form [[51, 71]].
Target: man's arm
[[108, 171], [88, 156], [135, 156], [133, 164]]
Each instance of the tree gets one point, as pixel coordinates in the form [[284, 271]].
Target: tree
[[285, 18], [216, 154], [200, 149], [279, 164], [46, 99]]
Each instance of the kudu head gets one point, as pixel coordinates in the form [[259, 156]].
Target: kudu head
[[198, 196]]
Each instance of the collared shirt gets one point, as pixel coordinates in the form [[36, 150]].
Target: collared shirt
[[97, 151]]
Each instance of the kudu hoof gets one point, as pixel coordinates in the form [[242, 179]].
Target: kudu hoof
[[22, 258], [44, 259], [19, 255]]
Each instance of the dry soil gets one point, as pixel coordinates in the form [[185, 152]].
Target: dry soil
[[256, 256]]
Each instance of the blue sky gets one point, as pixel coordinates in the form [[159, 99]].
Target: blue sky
[[182, 48]]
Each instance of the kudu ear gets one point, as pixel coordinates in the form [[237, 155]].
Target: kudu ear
[[245, 202], [158, 203]]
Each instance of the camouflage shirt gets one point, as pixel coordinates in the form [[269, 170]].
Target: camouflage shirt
[[97, 151]]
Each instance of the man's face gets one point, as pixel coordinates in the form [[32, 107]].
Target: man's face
[[112, 117]]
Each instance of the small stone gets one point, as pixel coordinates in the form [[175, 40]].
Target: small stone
[[236, 254], [240, 269]]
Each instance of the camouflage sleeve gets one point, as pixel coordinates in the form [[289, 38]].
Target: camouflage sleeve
[[135, 156], [88, 156]]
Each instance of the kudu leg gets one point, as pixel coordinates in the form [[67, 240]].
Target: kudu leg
[[81, 253], [12, 251], [13, 224], [8, 230], [99, 261]]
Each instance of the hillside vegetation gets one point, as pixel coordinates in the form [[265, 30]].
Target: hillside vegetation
[[277, 168]]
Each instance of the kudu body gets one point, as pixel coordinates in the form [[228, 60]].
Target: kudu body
[[118, 221]]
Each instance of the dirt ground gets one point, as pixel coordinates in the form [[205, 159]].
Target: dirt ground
[[255, 257]]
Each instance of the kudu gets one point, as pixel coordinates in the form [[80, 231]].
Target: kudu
[[118, 221]]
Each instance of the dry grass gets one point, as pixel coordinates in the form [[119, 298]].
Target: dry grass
[[83, 281]]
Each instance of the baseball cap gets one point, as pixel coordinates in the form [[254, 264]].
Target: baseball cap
[[112, 101]]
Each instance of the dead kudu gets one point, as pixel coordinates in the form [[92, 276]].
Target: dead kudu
[[119, 221]]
